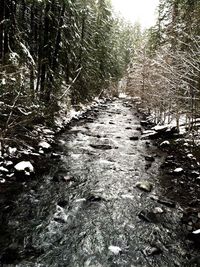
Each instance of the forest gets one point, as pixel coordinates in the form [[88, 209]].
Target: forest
[[99, 134], [57, 54], [165, 69]]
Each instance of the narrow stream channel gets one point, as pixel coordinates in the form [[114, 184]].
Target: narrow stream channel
[[87, 212]]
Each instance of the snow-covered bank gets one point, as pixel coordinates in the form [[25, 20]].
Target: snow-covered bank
[[23, 158]]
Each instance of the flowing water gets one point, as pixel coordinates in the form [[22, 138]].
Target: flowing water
[[84, 212]]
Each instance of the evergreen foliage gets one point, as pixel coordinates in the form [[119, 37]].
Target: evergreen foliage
[[58, 51]]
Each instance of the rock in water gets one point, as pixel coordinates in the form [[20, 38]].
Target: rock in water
[[178, 171], [196, 232], [93, 198], [165, 144], [102, 147], [115, 250], [150, 251], [195, 174], [144, 185], [167, 202], [158, 210], [147, 216], [149, 158], [134, 138]]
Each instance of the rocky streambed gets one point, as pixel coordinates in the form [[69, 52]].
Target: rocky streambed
[[109, 196]]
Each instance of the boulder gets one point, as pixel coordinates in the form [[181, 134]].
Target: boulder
[[144, 185]]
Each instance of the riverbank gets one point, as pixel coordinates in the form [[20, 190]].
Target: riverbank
[[107, 196]]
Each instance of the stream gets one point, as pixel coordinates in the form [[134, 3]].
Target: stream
[[87, 211]]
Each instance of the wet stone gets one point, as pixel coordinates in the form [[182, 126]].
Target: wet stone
[[165, 144], [138, 128], [147, 166], [195, 174], [144, 185], [62, 203], [67, 178], [178, 171], [149, 158], [151, 251], [55, 156], [90, 120], [59, 220], [158, 210], [102, 147], [148, 216], [93, 198], [195, 237], [167, 202], [144, 123], [134, 138]]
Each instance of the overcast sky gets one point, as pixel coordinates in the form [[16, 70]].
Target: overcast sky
[[143, 11]]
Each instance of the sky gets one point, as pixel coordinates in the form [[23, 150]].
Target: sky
[[143, 11]]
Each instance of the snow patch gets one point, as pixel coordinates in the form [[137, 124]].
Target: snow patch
[[178, 170], [196, 232], [24, 166], [160, 128], [3, 81], [44, 145], [27, 52], [2, 169], [165, 143]]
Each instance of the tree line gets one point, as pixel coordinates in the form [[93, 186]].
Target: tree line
[[165, 71]]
